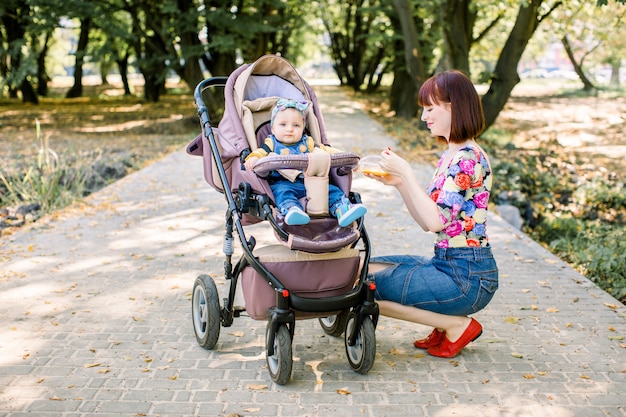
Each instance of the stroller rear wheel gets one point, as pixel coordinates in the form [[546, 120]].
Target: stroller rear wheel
[[362, 355], [280, 363], [205, 311], [335, 325]]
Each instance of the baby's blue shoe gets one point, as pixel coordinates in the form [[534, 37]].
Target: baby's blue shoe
[[348, 213], [295, 216]]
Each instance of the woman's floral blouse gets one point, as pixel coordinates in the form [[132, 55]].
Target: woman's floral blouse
[[461, 190]]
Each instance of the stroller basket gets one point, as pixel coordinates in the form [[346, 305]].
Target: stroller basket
[[315, 271]]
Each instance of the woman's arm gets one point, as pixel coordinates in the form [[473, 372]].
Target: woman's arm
[[422, 208]]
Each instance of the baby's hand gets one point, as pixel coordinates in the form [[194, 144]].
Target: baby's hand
[[250, 162]]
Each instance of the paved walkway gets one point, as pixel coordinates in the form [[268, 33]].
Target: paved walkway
[[95, 314]]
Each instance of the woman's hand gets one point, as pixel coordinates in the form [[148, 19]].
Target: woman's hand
[[395, 165], [393, 168], [386, 179]]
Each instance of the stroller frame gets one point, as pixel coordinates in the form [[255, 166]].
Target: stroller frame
[[354, 313]]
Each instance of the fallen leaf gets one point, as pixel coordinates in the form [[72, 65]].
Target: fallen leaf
[[57, 399], [252, 410], [40, 380], [343, 391], [237, 334], [528, 376], [257, 387], [517, 355], [616, 337], [91, 365], [585, 377], [611, 306], [104, 371], [511, 319], [173, 378], [552, 310], [139, 319]]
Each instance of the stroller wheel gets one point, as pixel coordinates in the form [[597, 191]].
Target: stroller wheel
[[280, 363], [336, 324], [362, 355], [205, 311]]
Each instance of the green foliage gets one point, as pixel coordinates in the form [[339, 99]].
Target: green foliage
[[575, 209], [48, 180], [597, 250]]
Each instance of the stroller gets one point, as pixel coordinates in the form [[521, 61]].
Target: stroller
[[314, 271]]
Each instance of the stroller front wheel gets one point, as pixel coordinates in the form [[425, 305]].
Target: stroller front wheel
[[280, 364], [362, 355], [205, 312]]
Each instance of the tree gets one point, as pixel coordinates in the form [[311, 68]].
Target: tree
[[360, 35], [16, 17], [81, 48], [410, 70], [505, 77]]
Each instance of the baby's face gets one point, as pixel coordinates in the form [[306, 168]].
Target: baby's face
[[288, 126]]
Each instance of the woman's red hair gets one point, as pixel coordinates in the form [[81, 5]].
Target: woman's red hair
[[454, 87]]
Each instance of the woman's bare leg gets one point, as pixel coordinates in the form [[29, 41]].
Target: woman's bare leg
[[454, 326]]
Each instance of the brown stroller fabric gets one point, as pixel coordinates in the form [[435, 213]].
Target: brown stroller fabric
[[305, 274]]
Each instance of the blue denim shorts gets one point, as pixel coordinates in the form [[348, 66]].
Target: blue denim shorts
[[456, 281]]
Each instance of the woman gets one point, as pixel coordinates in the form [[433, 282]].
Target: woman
[[462, 276]]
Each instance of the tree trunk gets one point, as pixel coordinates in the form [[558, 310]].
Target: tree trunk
[[15, 20], [587, 84], [403, 95], [458, 33], [28, 92], [42, 75], [191, 50], [505, 76], [408, 78], [415, 66], [83, 40], [122, 65]]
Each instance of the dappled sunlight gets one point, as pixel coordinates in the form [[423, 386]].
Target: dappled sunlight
[[121, 127], [525, 408]]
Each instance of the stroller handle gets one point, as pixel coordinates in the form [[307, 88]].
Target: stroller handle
[[197, 96]]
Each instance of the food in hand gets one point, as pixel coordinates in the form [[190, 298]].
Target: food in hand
[[370, 165]]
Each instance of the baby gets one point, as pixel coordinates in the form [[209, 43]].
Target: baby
[[288, 138]]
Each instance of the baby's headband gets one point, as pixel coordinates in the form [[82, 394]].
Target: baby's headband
[[284, 103]]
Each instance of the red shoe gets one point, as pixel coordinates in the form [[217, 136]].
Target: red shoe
[[435, 338], [447, 349]]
